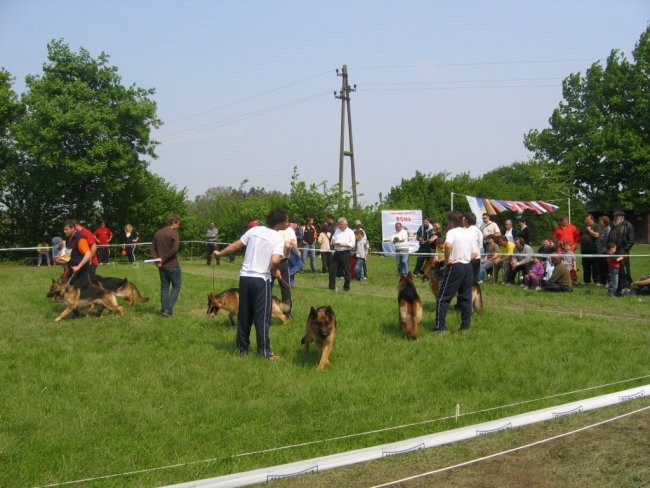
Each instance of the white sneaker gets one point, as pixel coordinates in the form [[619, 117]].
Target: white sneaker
[[538, 288]]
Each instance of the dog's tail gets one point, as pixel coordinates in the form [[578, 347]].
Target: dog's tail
[[477, 298]]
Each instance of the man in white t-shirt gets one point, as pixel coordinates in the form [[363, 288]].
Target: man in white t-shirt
[[343, 241], [401, 241], [264, 250], [458, 276]]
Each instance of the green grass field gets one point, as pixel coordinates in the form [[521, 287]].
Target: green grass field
[[142, 401]]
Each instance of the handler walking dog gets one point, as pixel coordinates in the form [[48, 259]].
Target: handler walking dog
[[458, 275]]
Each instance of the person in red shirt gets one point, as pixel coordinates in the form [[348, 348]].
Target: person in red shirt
[[92, 243], [104, 236], [567, 232]]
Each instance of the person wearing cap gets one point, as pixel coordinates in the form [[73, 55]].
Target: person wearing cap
[[622, 234], [359, 226], [343, 241]]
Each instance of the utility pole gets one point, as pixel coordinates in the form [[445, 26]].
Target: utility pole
[[344, 96]]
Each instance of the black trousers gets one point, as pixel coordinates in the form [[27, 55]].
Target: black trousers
[[456, 279], [254, 308], [285, 284], [340, 260]]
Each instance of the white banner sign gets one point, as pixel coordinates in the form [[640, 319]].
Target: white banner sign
[[411, 220]]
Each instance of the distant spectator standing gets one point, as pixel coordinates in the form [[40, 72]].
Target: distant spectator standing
[[589, 245], [104, 236], [310, 235], [567, 232], [614, 264], [401, 241], [601, 246], [43, 251], [343, 241], [212, 236], [361, 251], [622, 234], [325, 251], [524, 231], [129, 239], [165, 246], [424, 235]]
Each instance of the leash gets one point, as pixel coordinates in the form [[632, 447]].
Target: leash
[[71, 276]]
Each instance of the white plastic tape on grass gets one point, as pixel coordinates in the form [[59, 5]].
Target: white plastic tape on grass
[[265, 475]]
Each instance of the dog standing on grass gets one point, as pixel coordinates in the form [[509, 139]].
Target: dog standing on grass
[[321, 329], [410, 307], [228, 301]]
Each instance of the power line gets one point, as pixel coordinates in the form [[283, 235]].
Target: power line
[[239, 118], [478, 63], [252, 97]]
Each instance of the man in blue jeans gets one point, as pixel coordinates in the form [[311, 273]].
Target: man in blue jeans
[[458, 276], [165, 246]]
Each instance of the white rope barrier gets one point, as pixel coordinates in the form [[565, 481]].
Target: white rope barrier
[[510, 451], [456, 415]]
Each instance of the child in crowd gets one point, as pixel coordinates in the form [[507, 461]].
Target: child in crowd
[[613, 269], [535, 274], [569, 260], [361, 252]]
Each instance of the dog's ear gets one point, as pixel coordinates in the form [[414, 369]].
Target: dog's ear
[[312, 312]]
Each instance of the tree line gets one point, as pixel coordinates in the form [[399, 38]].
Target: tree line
[[77, 143]]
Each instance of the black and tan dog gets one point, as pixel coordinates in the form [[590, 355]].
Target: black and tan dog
[[321, 329], [122, 288], [432, 272], [410, 307], [228, 300], [88, 296]]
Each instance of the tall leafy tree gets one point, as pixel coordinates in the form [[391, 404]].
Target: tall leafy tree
[[81, 144], [600, 133]]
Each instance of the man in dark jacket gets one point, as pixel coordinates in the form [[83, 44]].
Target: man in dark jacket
[[622, 234], [164, 247]]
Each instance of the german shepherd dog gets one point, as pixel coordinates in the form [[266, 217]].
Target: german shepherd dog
[[228, 300], [410, 307], [432, 272], [321, 329], [87, 296], [122, 288]]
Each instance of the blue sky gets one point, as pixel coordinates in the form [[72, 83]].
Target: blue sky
[[245, 88]]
